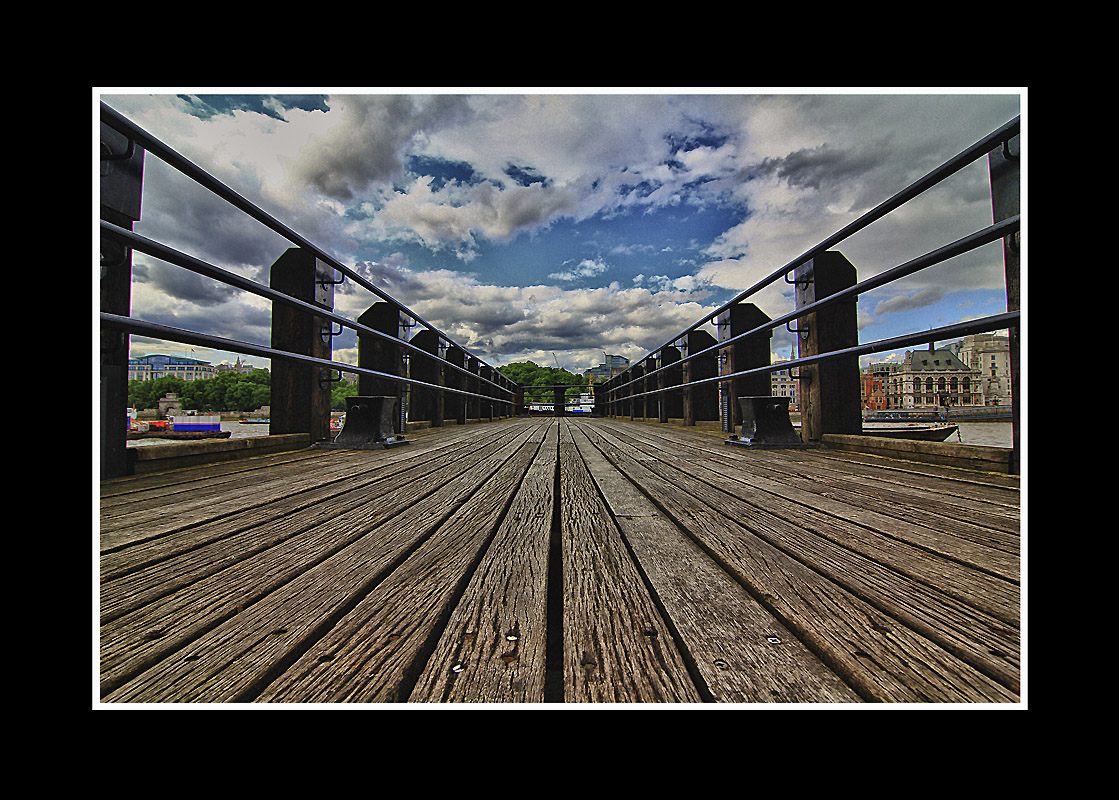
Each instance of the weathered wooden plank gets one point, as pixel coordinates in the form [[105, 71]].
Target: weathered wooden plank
[[152, 520], [494, 648], [938, 587], [124, 491], [138, 575], [742, 653], [280, 596], [374, 653], [875, 653], [617, 648], [813, 497]]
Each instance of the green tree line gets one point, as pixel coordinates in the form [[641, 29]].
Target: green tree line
[[234, 391], [229, 391], [527, 373]]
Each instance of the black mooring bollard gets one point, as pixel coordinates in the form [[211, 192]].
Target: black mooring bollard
[[369, 424], [765, 423]]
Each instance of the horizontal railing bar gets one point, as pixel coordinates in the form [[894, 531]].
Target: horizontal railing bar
[[189, 262], [123, 125], [975, 240], [158, 331], [948, 168], [995, 322]]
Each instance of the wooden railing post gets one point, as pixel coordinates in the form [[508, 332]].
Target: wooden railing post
[[830, 397], [673, 400], [640, 388], [382, 355], [122, 171], [426, 404], [753, 351], [455, 406], [1006, 202], [485, 371], [300, 401], [474, 405], [701, 403]]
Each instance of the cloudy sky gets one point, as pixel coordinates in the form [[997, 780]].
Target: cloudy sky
[[554, 227]]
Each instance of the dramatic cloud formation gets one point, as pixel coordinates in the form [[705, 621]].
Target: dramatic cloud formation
[[527, 225]]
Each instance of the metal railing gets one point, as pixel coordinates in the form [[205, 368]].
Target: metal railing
[[632, 383], [498, 390]]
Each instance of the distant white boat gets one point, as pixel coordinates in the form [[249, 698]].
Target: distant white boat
[[196, 422]]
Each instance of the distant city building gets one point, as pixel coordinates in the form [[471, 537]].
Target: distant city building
[[988, 355], [239, 367], [875, 383], [783, 384], [609, 368], [930, 380], [148, 368]]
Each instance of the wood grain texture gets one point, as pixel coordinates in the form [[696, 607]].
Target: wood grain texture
[[570, 560]]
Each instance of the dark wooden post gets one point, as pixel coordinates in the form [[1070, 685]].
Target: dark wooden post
[[1006, 202], [673, 400], [455, 406], [639, 388], [474, 404], [655, 362], [301, 392], [427, 404], [753, 351], [485, 372], [701, 403], [831, 399], [381, 355], [601, 401], [122, 172], [559, 399]]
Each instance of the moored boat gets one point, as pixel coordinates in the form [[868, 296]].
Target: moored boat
[[194, 423], [925, 433]]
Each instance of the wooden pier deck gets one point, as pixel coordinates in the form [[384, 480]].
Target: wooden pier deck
[[560, 560]]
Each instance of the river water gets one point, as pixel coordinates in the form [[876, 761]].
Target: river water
[[988, 434]]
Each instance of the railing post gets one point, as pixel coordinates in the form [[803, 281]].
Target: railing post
[[655, 362], [640, 388], [122, 172], [455, 404], [426, 404], [300, 401], [701, 403], [485, 371], [381, 355], [1006, 202], [831, 400], [753, 351], [474, 405], [672, 401]]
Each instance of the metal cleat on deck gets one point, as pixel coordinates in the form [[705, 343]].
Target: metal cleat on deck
[[766, 424], [369, 424]]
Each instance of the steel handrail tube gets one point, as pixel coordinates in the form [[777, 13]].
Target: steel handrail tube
[[133, 325], [970, 242], [123, 125], [196, 265], [994, 322], [1000, 135]]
